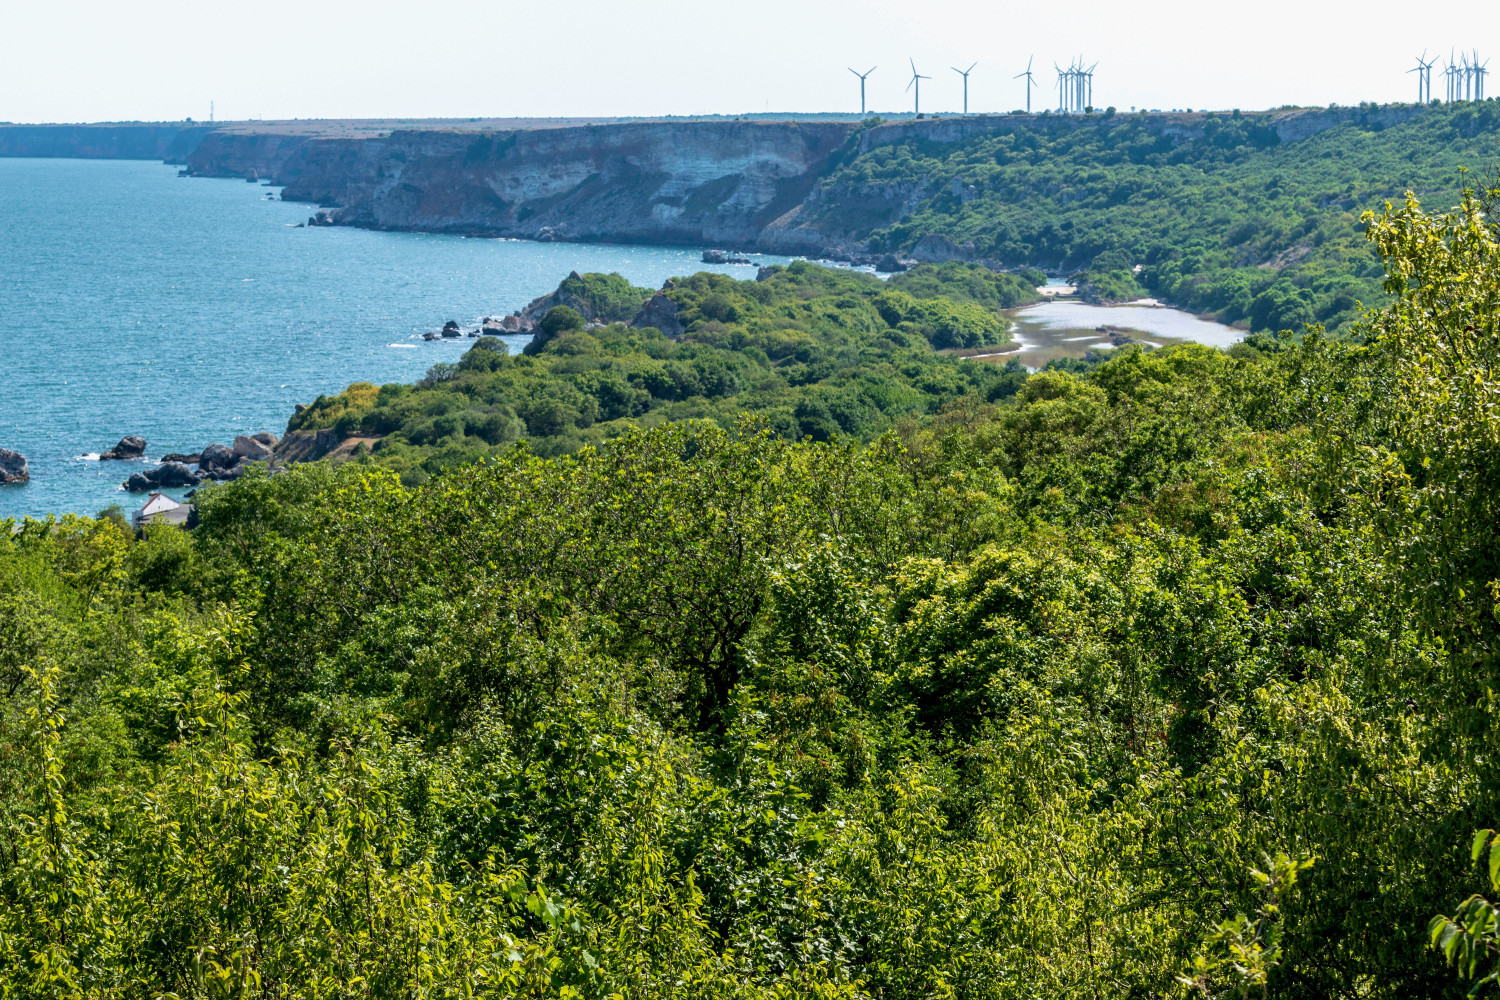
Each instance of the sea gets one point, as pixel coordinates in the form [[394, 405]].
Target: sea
[[191, 310]]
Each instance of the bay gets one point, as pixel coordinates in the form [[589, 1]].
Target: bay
[[186, 310]]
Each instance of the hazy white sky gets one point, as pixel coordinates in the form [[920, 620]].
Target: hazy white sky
[[99, 60]]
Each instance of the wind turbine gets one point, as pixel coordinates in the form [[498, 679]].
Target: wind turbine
[[862, 85], [1029, 81], [1061, 78], [965, 74], [916, 81], [1089, 79], [1480, 72], [1423, 69]]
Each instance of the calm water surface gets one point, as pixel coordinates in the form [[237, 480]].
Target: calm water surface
[[1050, 330], [133, 301]]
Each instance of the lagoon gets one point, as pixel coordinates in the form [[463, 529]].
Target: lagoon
[[1059, 329]]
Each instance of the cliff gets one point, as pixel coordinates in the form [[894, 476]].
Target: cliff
[[116, 141], [243, 154], [764, 185], [683, 182]]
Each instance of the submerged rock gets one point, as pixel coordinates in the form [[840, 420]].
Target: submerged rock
[[130, 448], [176, 456], [13, 467]]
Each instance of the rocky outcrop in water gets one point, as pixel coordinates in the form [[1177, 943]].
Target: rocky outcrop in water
[[169, 475], [216, 456], [131, 448], [13, 467], [255, 447]]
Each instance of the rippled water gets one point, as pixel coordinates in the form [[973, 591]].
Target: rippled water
[[133, 301]]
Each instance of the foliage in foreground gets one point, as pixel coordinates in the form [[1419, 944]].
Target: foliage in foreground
[[1169, 679]]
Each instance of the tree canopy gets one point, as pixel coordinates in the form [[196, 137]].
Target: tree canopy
[[1172, 677]]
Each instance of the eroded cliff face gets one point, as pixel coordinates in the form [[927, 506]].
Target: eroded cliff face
[[747, 185], [680, 182], [241, 154]]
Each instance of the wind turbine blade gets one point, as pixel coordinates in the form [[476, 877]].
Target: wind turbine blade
[[913, 65], [908, 86], [871, 70], [971, 67]]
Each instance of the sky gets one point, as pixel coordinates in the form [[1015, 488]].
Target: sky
[[103, 60]]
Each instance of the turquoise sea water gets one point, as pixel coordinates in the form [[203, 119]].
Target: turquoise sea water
[[188, 310]]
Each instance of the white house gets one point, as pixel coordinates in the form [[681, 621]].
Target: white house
[[162, 509]]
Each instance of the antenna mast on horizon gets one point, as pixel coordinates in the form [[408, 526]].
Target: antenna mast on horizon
[[862, 85], [1029, 81], [965, 74], [916, 81]]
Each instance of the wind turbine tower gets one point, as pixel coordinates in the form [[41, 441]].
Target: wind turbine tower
[[916, 81], [1029, 81], [965, 74], [862, 85], [1423, 69]]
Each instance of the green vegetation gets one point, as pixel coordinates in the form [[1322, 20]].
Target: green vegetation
[[1169, 679], [813, 351], [1232, 221]]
